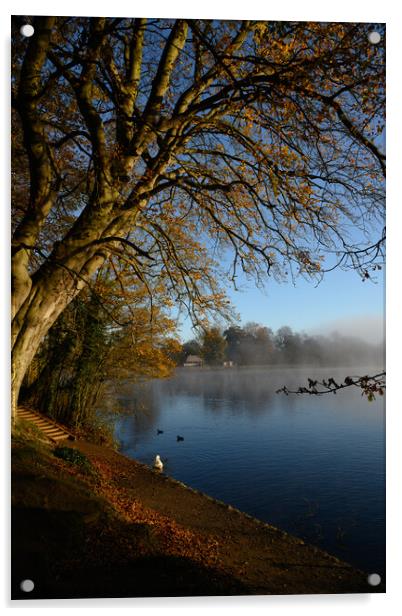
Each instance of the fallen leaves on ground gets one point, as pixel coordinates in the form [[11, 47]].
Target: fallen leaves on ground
[[171, 538]]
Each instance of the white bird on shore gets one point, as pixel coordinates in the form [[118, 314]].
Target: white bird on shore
[[158, 464]]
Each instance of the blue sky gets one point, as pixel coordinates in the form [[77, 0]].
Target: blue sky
[[341, 302]]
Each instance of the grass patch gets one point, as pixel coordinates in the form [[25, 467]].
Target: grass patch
[[25, 430], [74, 456]]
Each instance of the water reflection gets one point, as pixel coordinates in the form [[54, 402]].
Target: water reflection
[[247, 390], [312, 465], [140, 411], [241, 390]]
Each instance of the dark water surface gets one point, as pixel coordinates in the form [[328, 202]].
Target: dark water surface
[[311, 465]]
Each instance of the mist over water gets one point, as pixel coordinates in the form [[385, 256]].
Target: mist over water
[[311, 465], [255, 345], [367, 327]]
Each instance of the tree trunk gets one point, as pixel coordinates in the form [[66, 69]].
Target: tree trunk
[[45, 302]]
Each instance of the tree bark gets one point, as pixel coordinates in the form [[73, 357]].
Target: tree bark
[[48, 297], [42, 188]]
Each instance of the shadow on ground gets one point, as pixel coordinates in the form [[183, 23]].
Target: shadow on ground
[[58, 551]]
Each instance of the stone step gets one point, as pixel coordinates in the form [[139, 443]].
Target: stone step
[[51, 429]]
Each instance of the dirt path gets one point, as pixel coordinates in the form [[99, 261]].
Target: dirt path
[[265, 559]]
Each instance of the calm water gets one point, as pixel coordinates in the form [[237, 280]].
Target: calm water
[[311, 465]]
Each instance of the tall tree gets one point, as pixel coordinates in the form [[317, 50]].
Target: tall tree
[[103, 337], [143, 141], [259, 344], [289, 344], [213, 346], [234, 337]]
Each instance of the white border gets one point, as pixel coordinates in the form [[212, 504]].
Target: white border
[[340, 10]]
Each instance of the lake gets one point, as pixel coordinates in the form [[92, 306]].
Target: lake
[[311, 465]]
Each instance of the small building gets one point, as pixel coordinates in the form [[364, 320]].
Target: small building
[[193, 361]]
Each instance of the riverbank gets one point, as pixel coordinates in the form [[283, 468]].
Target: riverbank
[[113, 527]]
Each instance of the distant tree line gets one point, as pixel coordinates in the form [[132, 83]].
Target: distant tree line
[[255, 344]]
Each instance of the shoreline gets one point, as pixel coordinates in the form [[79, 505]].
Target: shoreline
[[165, 538], [275, 558]]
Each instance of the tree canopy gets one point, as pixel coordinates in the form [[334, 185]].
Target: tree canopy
[[156, 146]]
